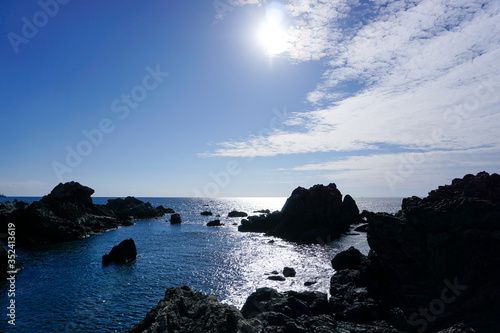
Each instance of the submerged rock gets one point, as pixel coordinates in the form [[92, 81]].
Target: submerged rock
[[122, 253]]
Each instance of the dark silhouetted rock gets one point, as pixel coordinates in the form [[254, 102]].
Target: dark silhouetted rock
[[68, 213], [187, 311], [348, 259], [440, 248], [289, 272], [276, 278], [165, 210], [131, 207], [310, 283], [235, 213], [214, 223], [122, 253], [175, 219], [264, 211], [72, 192], [314, 215], [206, 213]]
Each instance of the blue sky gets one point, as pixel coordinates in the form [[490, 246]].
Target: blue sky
[[246, 97]]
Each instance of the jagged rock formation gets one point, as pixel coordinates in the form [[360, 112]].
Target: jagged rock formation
[[434, 263], [314, 215], [189, 311], [68, 213]]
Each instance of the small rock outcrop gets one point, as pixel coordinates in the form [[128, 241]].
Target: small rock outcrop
[[189, 311], [175, 219], [348, 259], [289, 272], [314, 215], [214, 223], [122, 253], [206, 213], [235, 213], [132, 208]]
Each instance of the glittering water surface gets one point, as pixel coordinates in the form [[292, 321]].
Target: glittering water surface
[[64, 287]]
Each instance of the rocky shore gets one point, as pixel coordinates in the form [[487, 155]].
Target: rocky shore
[[68, 213], [433, 267]]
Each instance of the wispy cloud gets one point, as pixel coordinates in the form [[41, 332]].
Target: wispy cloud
[[428, 77]]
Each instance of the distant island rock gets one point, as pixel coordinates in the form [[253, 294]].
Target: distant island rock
[[206, 213], [68, 213], [315, 215]]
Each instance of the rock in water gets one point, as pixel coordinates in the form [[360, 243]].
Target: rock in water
[[122, 253], [214, 223], [131, 207], [175, 219], [235, 213], [289, 272], [315, 215], [188, 311], [348, 259]]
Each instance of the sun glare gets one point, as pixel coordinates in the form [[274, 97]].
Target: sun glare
[[271, 34]]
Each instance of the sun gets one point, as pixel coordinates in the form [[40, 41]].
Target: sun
[[271, 34]]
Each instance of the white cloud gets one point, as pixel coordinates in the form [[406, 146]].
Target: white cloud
[[431, 81]]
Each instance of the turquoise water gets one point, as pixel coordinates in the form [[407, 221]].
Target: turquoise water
[[64, 287]]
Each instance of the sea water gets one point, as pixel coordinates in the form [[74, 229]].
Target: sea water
[[65, 288]]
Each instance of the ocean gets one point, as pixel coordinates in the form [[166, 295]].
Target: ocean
[[64, 287]]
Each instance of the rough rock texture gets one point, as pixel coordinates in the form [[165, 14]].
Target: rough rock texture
[[67, 213], [313, 215], [122, 253], [432, 265], [187, 311]]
